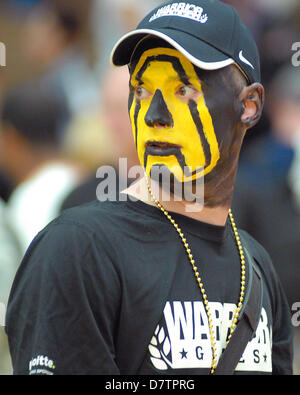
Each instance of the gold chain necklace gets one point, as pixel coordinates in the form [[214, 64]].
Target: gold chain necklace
[[199, 280]]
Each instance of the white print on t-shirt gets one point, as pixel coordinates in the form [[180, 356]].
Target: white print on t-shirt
[[182, 339]]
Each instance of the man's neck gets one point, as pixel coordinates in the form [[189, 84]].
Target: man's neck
[[197, 211]]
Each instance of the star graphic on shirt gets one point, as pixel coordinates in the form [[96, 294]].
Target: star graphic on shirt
[[183, 354]]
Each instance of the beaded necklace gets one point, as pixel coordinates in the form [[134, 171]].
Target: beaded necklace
[[200, 282]]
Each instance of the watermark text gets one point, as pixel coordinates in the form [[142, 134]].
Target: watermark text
[[296, 55], [296, 314], [2, 55], [163, 184]]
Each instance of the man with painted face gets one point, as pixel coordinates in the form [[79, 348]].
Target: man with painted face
[[149, 284]]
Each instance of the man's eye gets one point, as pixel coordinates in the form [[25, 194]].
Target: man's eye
[[141, 93], [186, 91]]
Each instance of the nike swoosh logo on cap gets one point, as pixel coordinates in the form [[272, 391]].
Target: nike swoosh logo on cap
[[243, 59]]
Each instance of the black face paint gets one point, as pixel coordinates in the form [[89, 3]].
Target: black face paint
[[196, 118], [168, 152], [165, 58], [130, 100], [158, 112], [222, 99], [136, 114]]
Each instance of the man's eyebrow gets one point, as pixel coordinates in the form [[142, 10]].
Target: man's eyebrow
[[144, 80]]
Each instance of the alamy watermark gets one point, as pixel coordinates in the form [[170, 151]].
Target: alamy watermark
[[296, 55], [2, 55], [296, 314], [2, 314], [112, 182]]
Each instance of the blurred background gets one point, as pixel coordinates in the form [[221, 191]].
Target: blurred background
[[63, 114]]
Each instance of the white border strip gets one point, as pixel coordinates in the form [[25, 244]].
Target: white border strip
[[192, 59], [2, 314]]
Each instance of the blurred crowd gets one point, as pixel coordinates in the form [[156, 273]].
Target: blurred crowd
[[63, 114]]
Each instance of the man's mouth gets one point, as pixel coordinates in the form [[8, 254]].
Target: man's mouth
[[161, 148]]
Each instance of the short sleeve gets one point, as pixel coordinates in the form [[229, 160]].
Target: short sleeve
[[63, 305]]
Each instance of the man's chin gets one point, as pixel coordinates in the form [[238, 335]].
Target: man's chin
[[164, 179]]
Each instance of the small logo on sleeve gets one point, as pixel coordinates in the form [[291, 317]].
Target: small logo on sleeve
[[41, 365]]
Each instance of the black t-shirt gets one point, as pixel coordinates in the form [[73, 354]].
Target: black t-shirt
[[107, 288]]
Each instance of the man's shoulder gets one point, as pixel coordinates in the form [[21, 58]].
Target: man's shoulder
[[101, 218], [88, 219], [91, 214], [261, 256], [93, 226]]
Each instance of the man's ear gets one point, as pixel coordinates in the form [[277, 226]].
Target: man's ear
[[252, 98]]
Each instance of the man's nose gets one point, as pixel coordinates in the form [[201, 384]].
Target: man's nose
[[158, 113]]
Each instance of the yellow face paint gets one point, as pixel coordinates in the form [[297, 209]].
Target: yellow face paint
[[171, 123]]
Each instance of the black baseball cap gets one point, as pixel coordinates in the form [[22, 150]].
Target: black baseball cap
[[208, 32]]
